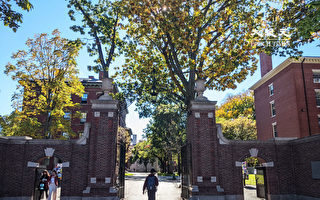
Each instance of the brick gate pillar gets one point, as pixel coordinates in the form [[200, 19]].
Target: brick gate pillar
[[103, 149], [202, 135]]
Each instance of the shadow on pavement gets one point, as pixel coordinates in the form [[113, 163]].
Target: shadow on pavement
[[250, 187]]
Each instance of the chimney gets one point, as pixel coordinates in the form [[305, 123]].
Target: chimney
[[265, 63]]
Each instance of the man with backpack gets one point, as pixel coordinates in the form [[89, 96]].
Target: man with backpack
[[151, 184]]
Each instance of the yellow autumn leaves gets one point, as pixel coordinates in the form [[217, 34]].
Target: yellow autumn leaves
[[47, 77]]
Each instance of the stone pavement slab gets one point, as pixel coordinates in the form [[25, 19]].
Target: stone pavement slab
[[167, 189]]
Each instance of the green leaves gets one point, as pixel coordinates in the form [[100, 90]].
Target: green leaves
[[10, 17], [47, 76], [241, 128], [237, 117], [299, 20], [189, 40], [236, 106], [100, 21]]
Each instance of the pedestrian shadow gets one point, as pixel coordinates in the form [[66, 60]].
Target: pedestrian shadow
[[137, 178], [250, 187]]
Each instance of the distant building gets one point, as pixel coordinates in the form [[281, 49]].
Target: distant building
[[93, 91], [134, 139], [287, 98]]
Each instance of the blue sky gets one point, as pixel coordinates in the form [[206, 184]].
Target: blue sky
[[49, 15]]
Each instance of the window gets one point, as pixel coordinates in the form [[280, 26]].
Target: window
[[67, 115], [317, 97], [319, 120], [316, 75], [271, 91], [274, 129], [273, 109], [65, 135], [84, 98], [83, 117]]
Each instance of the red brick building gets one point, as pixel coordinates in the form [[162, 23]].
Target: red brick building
[[211, 164], [92, 92], [287, 98]]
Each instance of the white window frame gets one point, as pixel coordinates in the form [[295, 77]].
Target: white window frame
[[271, 92], [317, 91], [274, 130], [274, 108], [316, 71]]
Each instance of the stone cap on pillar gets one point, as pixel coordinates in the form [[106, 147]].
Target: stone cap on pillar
[[99, 104], [201, 102], [203, 105]]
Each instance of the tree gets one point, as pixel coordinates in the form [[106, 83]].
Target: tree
[[187, 40], [300, 20], [142, 153], [236, 106], [124, 138], [101, 21], [11, 17], [47, 77], [167, 133], [237, 117], [241, 128]]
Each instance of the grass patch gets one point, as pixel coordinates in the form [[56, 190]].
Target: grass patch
[[128, 174], [251, 180], [166, 174]]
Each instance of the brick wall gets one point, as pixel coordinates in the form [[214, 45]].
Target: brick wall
[[304, 151], [91, 157], [287, 162], [293, 108], [18, 180]]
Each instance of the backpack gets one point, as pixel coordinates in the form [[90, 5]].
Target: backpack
[[41, 186], [151, 183]]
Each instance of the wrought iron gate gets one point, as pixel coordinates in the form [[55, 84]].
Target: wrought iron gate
[[186, 162], [121, 175], [261, 182]]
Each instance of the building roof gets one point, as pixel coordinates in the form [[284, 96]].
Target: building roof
[[91, 81], [282, 66]]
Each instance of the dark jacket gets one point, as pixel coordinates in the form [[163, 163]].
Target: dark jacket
[[44, 179], [146, 181]]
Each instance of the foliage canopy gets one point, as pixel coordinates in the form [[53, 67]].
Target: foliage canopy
[[300, 19], [185, 40], [47, 77], [237, 117], [237, 105], [101, 21], [11, 17]]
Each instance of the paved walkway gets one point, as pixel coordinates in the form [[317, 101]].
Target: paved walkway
[[167, 189], [250, 193]]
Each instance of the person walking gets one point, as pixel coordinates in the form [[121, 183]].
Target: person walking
[[43, 185], [151, 184], [53, 183]]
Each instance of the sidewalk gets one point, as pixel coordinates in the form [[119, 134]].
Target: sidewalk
[[167, 189]]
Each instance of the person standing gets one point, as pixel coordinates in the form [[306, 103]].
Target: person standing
[[43, 185], [53, 184], [151, 184]]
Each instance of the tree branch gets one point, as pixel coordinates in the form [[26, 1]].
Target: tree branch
[[98, 43]]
